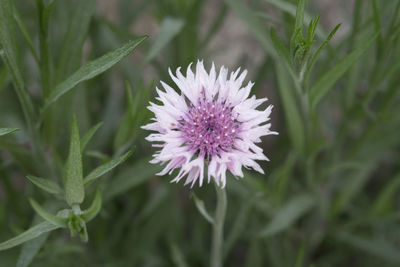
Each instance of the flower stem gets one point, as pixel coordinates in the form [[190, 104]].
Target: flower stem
[[218, 228]]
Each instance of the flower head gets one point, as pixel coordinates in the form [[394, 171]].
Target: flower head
[[211, 122]]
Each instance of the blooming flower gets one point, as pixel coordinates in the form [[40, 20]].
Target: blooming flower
[[213, 121]]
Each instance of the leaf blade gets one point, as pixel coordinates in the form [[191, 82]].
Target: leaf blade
[[46, 185], [103, 169], [91, 70], [326, 81], [29, 234], [74, 189], [4, 131]]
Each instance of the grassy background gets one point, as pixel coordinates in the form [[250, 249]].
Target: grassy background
[[330, 193]]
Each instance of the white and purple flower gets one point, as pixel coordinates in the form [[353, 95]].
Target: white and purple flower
[[213, 121]]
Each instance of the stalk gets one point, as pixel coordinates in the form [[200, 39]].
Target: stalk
[[218, 228]]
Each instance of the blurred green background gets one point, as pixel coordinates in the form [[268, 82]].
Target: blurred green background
[[330, 193]]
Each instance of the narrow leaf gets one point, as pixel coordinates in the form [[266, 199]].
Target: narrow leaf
[[74, 189], [88, 136], [25, 33], [94, 209], [29, 235], [46, 185], [170, 27], [202, 209], [103, 169], [133, 176], [320, 48], [384, 202], [280, 48], [292, 114], [62, 222], [92, 69], [328, 79], [10, 60], [288, 214], [4, 131]]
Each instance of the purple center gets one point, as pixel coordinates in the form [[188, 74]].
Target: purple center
[[209, 128]]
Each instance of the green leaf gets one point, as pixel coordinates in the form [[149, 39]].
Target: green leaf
[[103, 169], [377, 247], [30, 249], [10, 60], [46, 185], [74, 189], [25, 33], [291, 9], [294, 121], [4, 131], [132, 176], [241, 221], [384, 202], [29, 234], [94, 209], [280, 49], [88, 136], [254, 24], [316, 54], [202, 209], [170, 27], [62, 222], [92, 69], [71, 50], [298, 26], [329, 78], [288, 214], [45, 55]]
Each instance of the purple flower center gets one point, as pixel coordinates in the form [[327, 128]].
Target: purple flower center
[[209, 128]]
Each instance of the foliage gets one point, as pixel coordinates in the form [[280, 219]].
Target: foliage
[[329, 195]]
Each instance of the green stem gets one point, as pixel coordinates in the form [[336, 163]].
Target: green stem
[[218, 228]]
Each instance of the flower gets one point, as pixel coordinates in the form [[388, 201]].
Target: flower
[[212, 121]]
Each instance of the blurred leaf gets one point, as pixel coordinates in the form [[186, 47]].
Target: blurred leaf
[[46, 184], [177, 256], [30, 249], [25, 33], [94, 209], [74, 188], [4, 131], [241, 221], [71, 50], [300, 255], [292, 114], [202, 209], [351, 187], [328, 79], [133, 176], [53, 219], [10, 60], [103, 169], [45, 63], [378, 248], [88, 135], [92, 69], [288, 214], [28, 235], [170, 27], [384, 202], [254, 24], [280, 49]]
